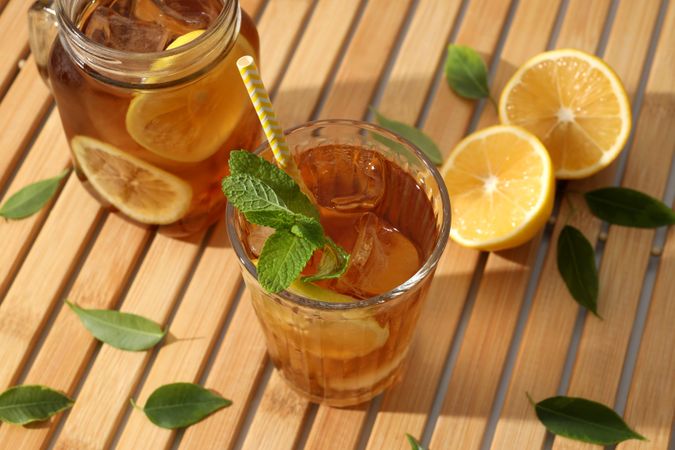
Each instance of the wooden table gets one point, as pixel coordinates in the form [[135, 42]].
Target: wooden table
[[495, 325]]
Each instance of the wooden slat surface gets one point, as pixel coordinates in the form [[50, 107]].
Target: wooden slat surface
[[549, 328], [494, 326]]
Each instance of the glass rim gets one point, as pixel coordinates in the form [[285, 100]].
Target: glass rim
[[429, 264]]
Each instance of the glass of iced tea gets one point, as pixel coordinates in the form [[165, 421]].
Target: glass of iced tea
[[150, 99], [343, 341]]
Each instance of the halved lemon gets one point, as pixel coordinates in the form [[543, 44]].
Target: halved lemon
[[575, 104], [138, 189], [501, 187], [190, 122]]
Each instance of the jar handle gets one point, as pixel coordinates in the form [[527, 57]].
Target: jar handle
[[42, 30]]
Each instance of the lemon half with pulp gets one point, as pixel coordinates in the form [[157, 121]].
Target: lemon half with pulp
[[575, 104], [501, 187]]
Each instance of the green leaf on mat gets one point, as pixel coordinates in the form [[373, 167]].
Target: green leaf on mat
[[414, 445], [583, 420], [576, 264], [179, 405], [31, 403], [414, 135], [30, 199], [120, 330], [628, 207], [466, 72]]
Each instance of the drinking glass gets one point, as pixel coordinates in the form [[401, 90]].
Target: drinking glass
[[345, 353]]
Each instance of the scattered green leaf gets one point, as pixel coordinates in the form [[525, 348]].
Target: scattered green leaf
[[120, 330], [414, 135], [576, 264], [31, 403], [466, 73], [414, 445], [179, 405], [583, 420], [31, 198], [628, 207]]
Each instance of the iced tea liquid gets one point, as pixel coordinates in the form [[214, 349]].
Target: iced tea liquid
[[377, 212], [155, 148]]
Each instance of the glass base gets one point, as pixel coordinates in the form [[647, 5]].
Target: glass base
[[350, 398]]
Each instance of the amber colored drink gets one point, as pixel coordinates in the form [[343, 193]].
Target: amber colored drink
[[346, 340], [155, 145]]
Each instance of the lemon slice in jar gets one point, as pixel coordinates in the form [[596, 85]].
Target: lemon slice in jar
[[190, 122], [138, 189]]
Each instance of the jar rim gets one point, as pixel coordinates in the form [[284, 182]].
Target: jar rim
[[114, 65], [430, 262]]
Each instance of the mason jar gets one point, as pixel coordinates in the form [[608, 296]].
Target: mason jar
[[151, 100]]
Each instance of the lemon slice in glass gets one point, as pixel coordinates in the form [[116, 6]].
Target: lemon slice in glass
[[138, 189], [336, 334], [501, 188], [575, 104], [190, 122]]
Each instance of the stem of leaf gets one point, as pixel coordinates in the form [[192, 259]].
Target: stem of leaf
[[135, 405], [529, 397], [494, 103]]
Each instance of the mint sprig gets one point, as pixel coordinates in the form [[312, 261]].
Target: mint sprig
[[282, 184], [268, 196]]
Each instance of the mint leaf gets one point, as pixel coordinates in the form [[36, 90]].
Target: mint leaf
[[333, 264], [267, 196], [309, 229], [243, 162], [283, 257], [414, 135], [259, 203]]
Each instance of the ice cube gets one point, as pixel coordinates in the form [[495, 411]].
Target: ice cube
[[123, 7], [116, 31], [343, 177], [381, 259], [256, 236], [179, 16]]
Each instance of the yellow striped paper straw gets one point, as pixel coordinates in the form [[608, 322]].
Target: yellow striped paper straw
[[263, 106]]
